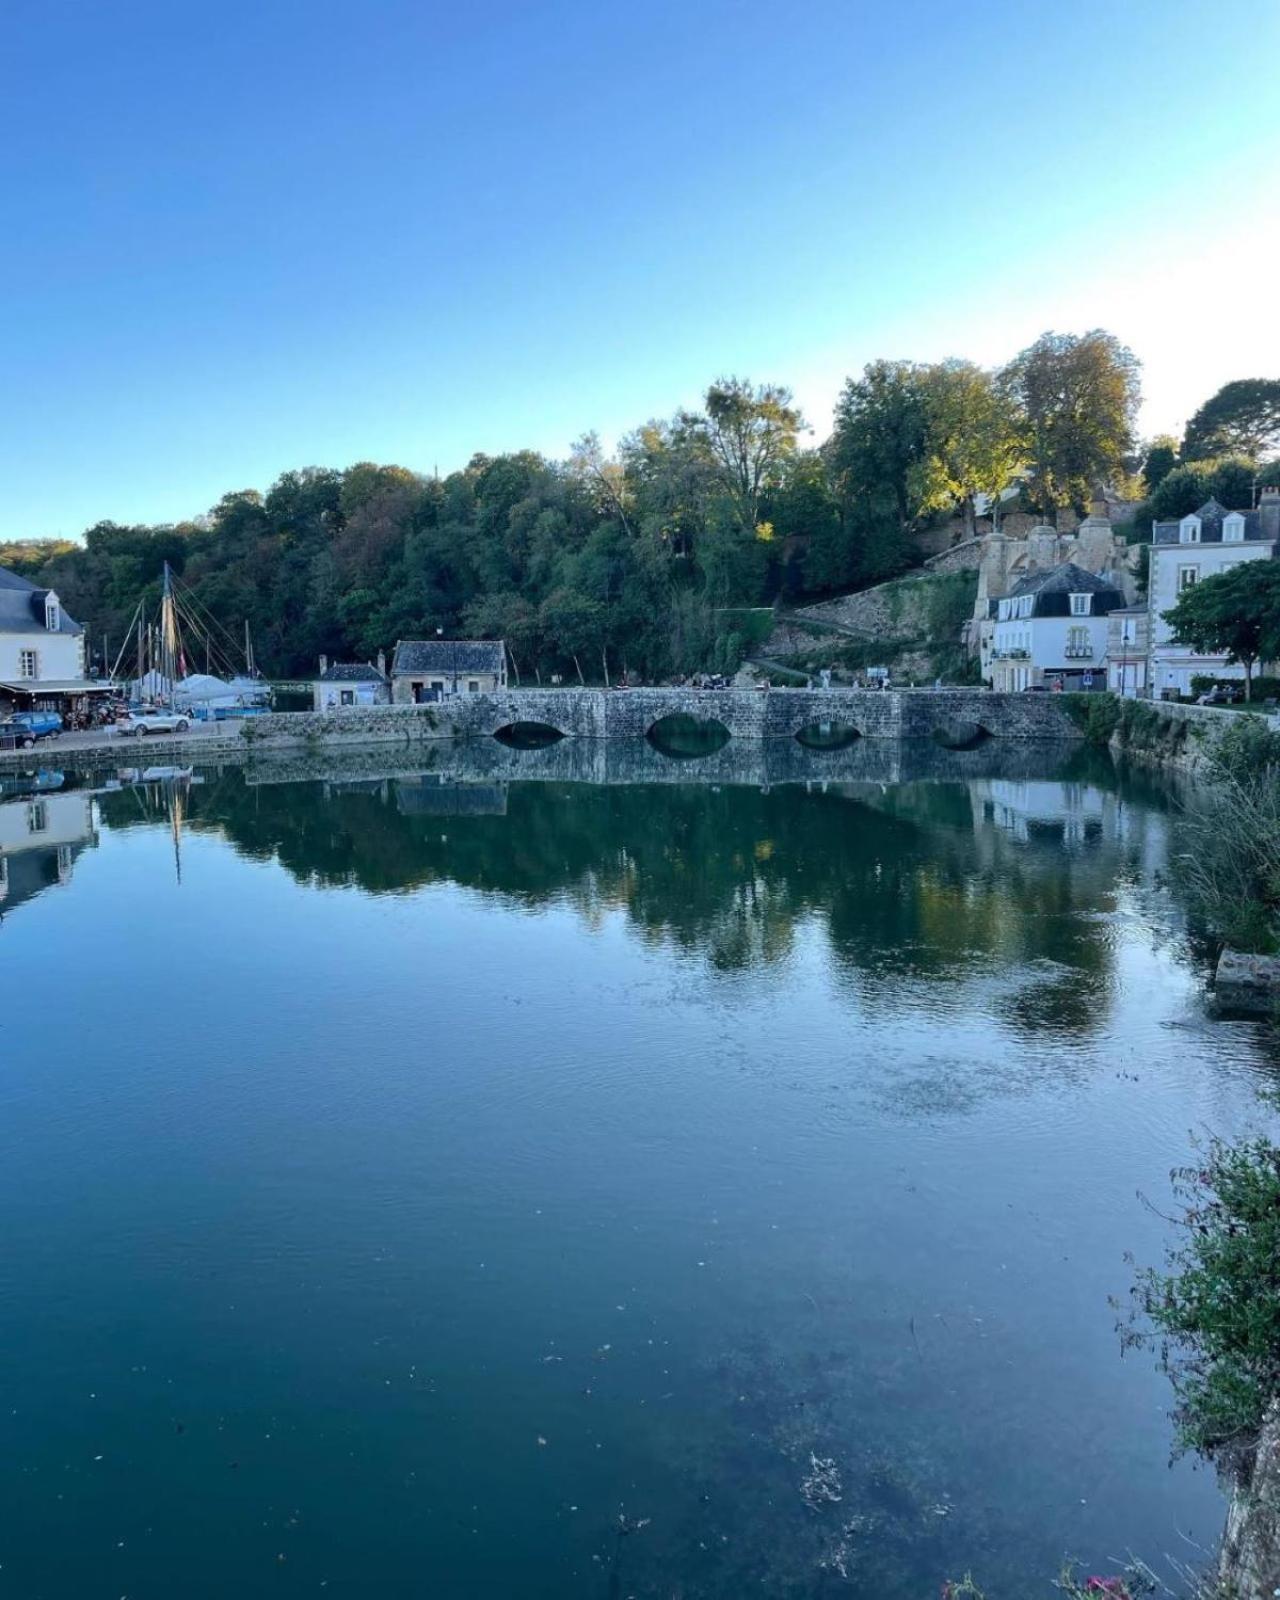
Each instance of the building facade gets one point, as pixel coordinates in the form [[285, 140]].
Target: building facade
[[1201, 545], [42, 655], [423, 670], [1051, 631], [350, 683], [1128, 651]]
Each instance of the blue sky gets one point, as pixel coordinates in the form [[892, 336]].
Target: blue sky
[[244, 237]]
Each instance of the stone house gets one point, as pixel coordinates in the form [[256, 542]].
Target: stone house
[[423, 670], [1005, 560], [350, 683], [42, 651], [1188, 550], [1051, 631], [1128, 651]]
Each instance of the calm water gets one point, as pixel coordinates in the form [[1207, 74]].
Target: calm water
[[405, 1177]]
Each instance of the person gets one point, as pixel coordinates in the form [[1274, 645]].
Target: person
[[825, 677]]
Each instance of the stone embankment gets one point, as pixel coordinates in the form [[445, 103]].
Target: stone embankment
[[1249, 1563], [1169, 734]]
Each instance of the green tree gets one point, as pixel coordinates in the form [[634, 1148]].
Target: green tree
[[880, 446], [1159, 461], [974, 440], [1077, 395], [750, 432], [1236, 613], [1243, 418]]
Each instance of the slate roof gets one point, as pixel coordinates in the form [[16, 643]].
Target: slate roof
[[1053, 588], [351, 672], [447, 656], [22, 607], [1211, 515]]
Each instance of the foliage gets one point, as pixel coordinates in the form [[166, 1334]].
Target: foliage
[[1160, 460], [1214, 1313], [1077, 395], [1096, 715], [1242, 418], [1236, 612]]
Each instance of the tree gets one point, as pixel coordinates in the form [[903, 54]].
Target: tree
[[1078, 396], [1160, 460], [1243, 418], [974, 440], [879, 450], [750, 432], [1236, 613]]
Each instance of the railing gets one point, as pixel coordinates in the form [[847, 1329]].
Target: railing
[[1079, 652], [1011, 655]]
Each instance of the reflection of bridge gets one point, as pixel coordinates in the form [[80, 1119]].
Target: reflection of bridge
[[485, 762]]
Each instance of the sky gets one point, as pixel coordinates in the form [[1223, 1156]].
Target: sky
[[264, 234]]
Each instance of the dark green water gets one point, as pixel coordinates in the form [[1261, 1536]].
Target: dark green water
[[404, 1177]]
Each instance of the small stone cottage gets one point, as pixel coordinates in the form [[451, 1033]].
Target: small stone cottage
[[350, 683], [423, 670]]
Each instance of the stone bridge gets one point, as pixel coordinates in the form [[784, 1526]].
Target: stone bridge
[[958, 715]]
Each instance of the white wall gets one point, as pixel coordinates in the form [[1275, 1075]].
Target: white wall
[[61, 655], [1174, 665], [39, 821], [327, 696]]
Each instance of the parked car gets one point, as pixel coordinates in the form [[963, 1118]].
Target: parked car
[[29, 727], [137, 724]]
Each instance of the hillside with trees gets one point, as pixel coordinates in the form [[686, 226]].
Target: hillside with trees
[[649, 559]]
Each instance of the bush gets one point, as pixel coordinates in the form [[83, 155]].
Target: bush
[[1214, 1315], [1096, 715]]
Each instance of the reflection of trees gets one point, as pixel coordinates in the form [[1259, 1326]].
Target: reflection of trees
[[907, 880]]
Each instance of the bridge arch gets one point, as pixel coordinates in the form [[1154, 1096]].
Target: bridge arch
[[686, 737], [827, 735], [960, 734], [528, 735]]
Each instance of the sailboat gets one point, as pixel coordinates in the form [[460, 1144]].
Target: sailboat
[[230, 686]]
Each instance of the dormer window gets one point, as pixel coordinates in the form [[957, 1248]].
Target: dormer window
[[1189, 530], [1004, 611], [52, 612], [1233, 528], [1080, 604]]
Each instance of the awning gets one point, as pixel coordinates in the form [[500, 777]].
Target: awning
[[42, 686]]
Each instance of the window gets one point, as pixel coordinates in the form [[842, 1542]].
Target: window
[[1004, 611], [37, 817], [1078, 646], [346, 697], [1189, 531], [1186, 577], [473, 686], [1233, 528], [52, 613], [28, 664], [1080, 604]]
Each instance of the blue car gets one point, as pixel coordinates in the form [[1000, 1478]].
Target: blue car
[[27, 727]]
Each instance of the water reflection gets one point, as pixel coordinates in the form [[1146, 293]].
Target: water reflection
[[949, 874]]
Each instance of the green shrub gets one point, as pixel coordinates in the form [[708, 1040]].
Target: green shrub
[[1096, 715], [1245, 750], [1214, 1315]]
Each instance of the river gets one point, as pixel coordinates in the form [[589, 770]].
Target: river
[[453, 1184]]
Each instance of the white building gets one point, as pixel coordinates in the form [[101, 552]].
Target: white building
[[1129, 651], [1201, 545], [41, 834], [1051, 631], [42, 664], [350, 683]]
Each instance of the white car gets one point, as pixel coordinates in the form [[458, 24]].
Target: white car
[[136, 724]]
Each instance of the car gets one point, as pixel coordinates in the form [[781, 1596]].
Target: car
[[26, 728], [137, 724]]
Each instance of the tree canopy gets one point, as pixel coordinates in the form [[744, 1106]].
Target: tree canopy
[[1236, 613], [1242, 419]]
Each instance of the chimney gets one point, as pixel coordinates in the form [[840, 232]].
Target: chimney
[[382, 663], [324, 665], [1269, 511]]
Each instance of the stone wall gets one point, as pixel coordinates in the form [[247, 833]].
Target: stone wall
[[1249, 1564], [1169, 734]]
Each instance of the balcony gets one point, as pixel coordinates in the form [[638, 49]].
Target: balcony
[[1011, 655], [1079, 652]]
